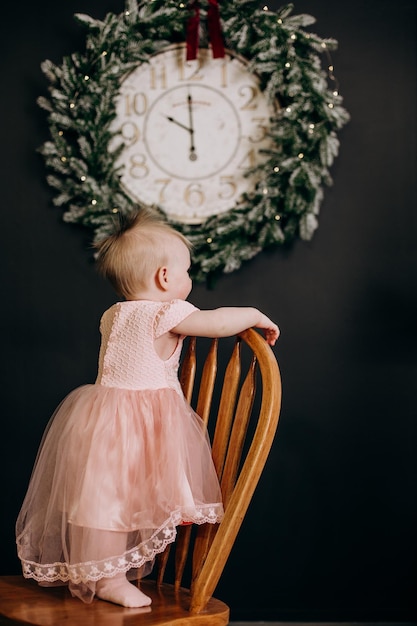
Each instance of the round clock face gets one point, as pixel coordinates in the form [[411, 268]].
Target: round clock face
[[192, 131]]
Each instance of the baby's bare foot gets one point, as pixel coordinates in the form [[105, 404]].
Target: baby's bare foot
[[120, 591]]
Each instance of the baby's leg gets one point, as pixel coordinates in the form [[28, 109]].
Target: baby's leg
[[89, 544], [118, 589]]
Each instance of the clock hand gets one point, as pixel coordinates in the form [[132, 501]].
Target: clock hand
[[193, 155], [190, 111], [171, 119]]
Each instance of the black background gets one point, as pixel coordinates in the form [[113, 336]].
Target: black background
[[331, 533]]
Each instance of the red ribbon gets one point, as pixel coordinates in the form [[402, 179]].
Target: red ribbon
[[192, 32], [213, 27]]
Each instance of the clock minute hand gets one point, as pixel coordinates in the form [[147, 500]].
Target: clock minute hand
[[193, 155]]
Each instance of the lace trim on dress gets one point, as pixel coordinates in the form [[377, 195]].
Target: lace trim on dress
[[136, 557]]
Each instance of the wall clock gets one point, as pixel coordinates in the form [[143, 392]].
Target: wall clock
[[234, 151], [192, 133]]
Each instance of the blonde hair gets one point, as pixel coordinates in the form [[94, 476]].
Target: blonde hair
[[130, 257]]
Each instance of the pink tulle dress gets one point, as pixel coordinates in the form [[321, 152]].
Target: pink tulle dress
[[122, 463]]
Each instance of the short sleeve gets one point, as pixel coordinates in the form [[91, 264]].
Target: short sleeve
[[170, 314]]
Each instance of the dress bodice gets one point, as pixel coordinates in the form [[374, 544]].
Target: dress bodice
[[127, 358]]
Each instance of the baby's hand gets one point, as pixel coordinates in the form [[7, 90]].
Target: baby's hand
[[271, 335], [271, 330]]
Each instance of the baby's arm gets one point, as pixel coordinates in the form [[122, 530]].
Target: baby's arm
[[225, 322]]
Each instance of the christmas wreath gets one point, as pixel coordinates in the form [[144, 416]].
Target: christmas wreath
[[287, 60]]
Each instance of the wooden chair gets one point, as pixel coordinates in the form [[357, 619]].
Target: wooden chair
[[247, 408]]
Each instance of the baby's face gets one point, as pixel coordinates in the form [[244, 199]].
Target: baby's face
[[178, 266]]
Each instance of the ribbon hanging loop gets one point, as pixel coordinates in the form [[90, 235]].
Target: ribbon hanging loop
[[215, 36]]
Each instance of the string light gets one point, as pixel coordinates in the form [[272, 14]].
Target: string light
[[330, 67], [209, 240], [94, 202], [83, 179], [276, 169]]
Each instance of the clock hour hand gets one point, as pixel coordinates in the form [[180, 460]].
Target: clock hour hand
[[171, 119], [193, 155]]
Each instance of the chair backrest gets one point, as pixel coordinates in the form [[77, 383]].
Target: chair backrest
[[243, 417]]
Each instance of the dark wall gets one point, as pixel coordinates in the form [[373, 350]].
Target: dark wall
[[331, 533]]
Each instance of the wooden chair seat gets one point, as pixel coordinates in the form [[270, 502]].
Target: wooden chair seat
[[241, 406], [24, 602]]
